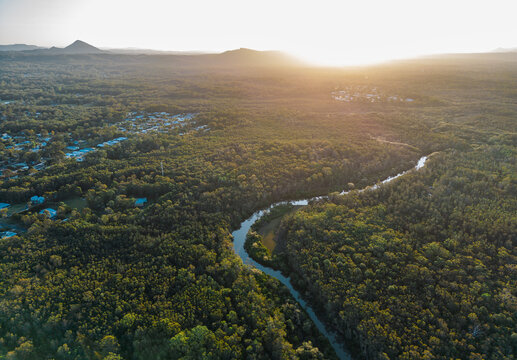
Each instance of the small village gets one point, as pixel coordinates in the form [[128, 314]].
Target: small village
[[12, 167], [135, 124], [143, 123], [40, 205], [366, 94]]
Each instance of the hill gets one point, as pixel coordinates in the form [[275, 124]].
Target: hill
[[78, 47], [245, 56], [229, 60], [19, 47]]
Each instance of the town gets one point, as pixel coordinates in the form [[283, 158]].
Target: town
[[24, 154], [365, 94]]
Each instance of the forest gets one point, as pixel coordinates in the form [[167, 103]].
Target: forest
[[423, 268]]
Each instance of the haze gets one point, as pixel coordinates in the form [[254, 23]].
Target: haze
[[323, 32]]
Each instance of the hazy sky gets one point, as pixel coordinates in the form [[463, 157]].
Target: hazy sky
[[323, 31]]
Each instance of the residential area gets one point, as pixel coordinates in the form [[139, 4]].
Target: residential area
[[366, 94], [143, 123], [25, 154], [28, 153]]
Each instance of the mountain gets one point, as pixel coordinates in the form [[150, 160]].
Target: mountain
[[19, 47], [228, 60], [78, 47], [250, 58]]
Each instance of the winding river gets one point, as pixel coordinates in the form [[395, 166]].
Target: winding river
[[239, 237]]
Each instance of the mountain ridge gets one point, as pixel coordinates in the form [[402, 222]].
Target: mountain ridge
[[236, 58], [78, 47], [19, 47]]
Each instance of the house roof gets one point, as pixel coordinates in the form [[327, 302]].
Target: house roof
[[51, 212], [140, 201], [7, 234]]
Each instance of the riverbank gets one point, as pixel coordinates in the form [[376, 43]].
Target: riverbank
[[240, 236]]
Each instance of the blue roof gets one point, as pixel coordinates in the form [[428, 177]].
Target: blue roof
[[37, 199], [4, 205], [51, 212], [140, 201], [7, 234]]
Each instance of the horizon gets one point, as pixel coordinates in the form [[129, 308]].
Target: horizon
[[201, 52], [335, 33]]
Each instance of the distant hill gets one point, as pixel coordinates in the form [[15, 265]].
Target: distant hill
[[241, 56], [139, 51], [78, 47], [19, 47], [506, 49], [228, 60], [249, 58]]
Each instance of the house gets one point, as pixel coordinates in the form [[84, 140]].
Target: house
[[21, 165], [4, 206], [78, 153], [7, 234], [140, 202], [36, 200], [39, 166], [51, 213]]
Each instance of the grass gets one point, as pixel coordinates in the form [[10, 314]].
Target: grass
[[76, 202], [269, 229]]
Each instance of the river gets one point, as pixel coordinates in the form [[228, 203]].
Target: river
[[239, 237]]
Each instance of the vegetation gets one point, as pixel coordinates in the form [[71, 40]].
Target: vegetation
[[423, 268], [118, 281]]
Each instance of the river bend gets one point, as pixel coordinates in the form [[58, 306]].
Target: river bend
[[239, 237]]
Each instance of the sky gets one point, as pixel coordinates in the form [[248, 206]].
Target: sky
[[326, 32]]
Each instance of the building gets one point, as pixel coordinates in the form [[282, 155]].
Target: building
[[21, 166], [36, 200], [39, 166], [51, 213], [7, 234], [140, 202]]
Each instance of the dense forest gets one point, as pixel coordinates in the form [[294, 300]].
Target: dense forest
[[422, 268], [112, 280]]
